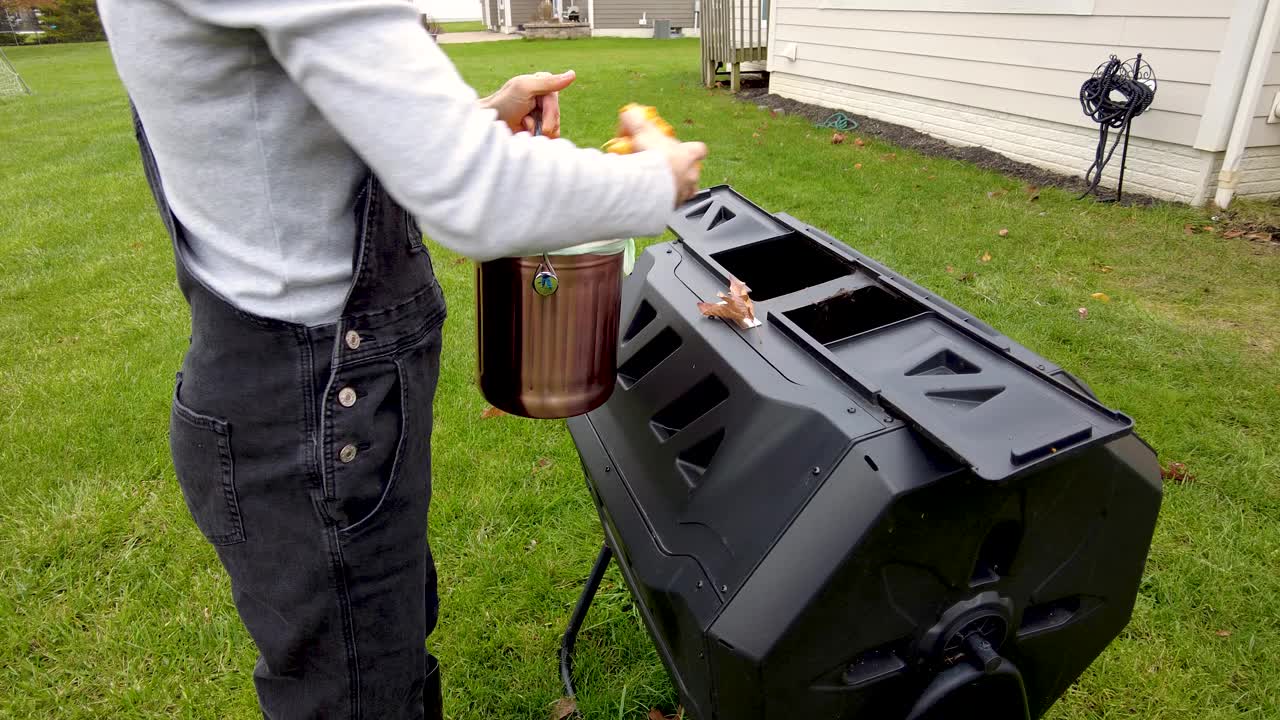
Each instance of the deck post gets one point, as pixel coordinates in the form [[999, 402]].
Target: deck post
[[735, 83]]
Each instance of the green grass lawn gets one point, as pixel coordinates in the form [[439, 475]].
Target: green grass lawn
[[112, 604], [464, 26]]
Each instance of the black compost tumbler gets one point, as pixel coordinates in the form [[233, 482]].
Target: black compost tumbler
[[873, 507]]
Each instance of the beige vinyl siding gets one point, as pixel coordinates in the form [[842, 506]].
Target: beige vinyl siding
[[1009, 78], [626, 14], [1027, 64], [1259, 173]]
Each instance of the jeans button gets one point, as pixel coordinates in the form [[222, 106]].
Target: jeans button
[[347, 453], [353, 339], [346, 397]]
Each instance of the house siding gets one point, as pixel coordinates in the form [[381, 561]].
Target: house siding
[[1010, 80], [451, 10], [523, 11], [626, 14], [1157, 168]]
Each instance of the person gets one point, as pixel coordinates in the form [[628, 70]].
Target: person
[[296, 151]]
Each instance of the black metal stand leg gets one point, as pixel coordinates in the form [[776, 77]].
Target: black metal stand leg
[[580, 615], [1124, 159]]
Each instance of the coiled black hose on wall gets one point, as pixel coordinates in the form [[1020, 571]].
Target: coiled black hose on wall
[[1117, 93]]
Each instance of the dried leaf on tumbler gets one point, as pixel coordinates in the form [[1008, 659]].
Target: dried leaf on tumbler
[[736, 306]]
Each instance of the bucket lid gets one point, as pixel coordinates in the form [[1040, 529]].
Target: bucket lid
[[627, 246], [600, 247]]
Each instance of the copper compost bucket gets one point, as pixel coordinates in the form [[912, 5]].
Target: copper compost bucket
[[547, 332]]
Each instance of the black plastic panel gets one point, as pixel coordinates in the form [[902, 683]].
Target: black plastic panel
[[815, 516]]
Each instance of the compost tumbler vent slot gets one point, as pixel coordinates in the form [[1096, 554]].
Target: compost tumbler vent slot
[[700, 210], [1049, 616], [945, 362], [873, 666], [661, 347], [722, 216], [645, 314], [965, 399], [995, 558], [693, 463], [693, 404]]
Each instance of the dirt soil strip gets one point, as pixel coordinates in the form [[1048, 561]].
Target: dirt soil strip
[[934, 147]]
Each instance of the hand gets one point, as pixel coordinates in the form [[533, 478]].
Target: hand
[[520, 95], [685, 158]]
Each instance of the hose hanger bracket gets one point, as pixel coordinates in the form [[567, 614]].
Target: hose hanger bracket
[[1113, 96]]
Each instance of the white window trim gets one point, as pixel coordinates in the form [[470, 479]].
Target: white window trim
[[1011, 7]]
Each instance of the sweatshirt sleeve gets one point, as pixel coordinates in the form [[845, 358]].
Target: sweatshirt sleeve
[[392, 94]]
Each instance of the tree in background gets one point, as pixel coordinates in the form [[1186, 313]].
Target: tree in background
[[73, 21]]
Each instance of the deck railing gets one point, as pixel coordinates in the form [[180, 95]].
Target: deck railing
[[733, 32]]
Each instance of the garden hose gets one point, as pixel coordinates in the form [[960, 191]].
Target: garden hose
[[1113, 97], [839, 121]]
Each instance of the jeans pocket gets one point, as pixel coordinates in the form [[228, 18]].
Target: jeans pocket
[[398, 429], [368, 440], [413, 233], [201, 450]]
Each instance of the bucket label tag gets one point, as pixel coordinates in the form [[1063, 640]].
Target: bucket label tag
[[546, 283]]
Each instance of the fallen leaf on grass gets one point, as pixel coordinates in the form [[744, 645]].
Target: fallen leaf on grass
[[1103, 268], [1082, 313], [933, 177], [1101, 297], [986, 257], [656, 714], [1033, 193], [1004, 232], [950, 270], [460, 261], [736, 306], [688, 121], [1188, 230], [1209, 229], [1223, 633], [541, 465], [491, 412], [857, 166], [563, 708], [1261, 236], [837, 138], [889, 156], [1176, 472], [207, 615], [1233, 234], [859, 142]]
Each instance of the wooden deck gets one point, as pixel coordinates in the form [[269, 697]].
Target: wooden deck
[[733, 32]]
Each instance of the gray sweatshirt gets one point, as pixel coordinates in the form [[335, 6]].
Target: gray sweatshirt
[[264, 115]]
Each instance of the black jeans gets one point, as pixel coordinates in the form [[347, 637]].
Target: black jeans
[[304, 456]]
